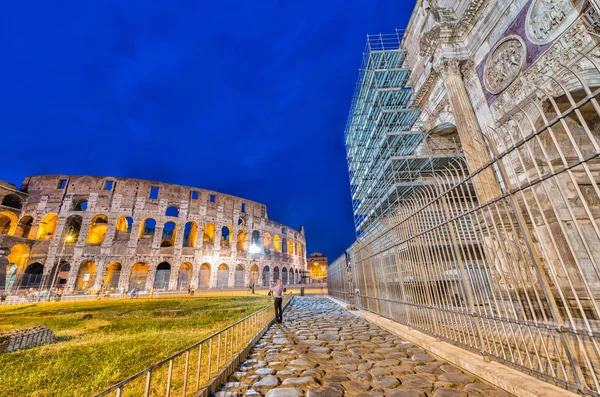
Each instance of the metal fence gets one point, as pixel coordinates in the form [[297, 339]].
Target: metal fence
[[509, 265], [202, 367]]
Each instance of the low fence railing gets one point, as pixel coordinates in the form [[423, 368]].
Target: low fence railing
[[200, 368]]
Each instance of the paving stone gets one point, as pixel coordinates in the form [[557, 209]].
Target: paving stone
[[381, 372], [387, 363], [326, 391], [284, 392], [285, 374], [265, 371], [303, 382], [428, 369], [424, 358], [444, 392], [450, 369], [328, 337], [385, 382], [336, 378], [319, 349], [361, 376], [457, 378], [301, 363], [251, 393], [370, 394], [365, 366], [266, 383], [404, 393]]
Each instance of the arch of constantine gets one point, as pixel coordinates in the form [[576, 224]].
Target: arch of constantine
[[83, 232]]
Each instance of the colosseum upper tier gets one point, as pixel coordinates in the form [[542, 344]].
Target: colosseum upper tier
[[81, 233]]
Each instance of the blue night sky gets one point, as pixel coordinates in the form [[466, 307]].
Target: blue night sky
[[248, 98]]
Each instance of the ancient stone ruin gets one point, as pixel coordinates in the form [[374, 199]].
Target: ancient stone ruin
[[19, 339]]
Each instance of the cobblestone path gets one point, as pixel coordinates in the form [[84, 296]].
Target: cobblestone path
[[322, 350]]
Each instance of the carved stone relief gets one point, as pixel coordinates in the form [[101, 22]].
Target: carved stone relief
[[547, 19], [504, 64]]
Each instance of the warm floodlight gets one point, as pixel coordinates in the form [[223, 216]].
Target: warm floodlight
[[254, 249], [69, 238]]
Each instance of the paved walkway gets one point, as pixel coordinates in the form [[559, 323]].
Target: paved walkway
[[322, 350]]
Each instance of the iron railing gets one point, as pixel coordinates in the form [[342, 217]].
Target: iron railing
[[200, 368], [505, 260]]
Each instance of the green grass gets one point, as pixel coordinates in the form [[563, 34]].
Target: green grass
[[120, 339]]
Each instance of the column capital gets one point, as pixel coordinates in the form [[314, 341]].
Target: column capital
[[449, 67]]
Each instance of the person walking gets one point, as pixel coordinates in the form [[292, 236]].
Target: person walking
[[277, 292]]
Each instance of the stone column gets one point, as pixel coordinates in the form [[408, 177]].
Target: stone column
[[471, 138]]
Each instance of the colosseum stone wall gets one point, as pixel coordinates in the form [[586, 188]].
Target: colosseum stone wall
[[85, 232]]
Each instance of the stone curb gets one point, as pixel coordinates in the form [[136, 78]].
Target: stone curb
[[510, 380]]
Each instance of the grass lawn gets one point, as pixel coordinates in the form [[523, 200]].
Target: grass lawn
[[120, 339]]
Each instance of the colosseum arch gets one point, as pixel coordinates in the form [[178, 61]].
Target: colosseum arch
[[139, 274], [223, 276], [256, 238], [290, 247], [47, 227], [32, 276], [239, 276], [24, 226], [291, 276], [147, 228], [184, 277], [97, 229], [209, 234], [162, 276], [79, 204], [112, 275], [226, 236], [190, 234], [267, 241], [242, 240], [253, 276], [169, 234], [284, 276], [172, 211], [18, 256], [72, 229], [241, 221], [124, 224], [204, 276], [276, 274], [85, 277], [299, 249], [8, 222], [61, 275], [277, 243], [266, 276], [12, 201]]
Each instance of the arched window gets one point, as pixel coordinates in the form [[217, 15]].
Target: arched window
[[47, 227], [239, 277], [204, 278], [284, 245], [147, 228], [80, 204], [209, 233], [267, 241], [12, 201], [97, 229], [256, 238], [299, 250], [24, 227], [139, 273], [241, 221], [223, 276], [284, 276], [8, 222], [172, 211], [163, 274], [226, 236], [72, 229], [291, 276], [275, 274], [112, 275], [169, 234], [17, 259], [184, 278], [190, 233], [266, 277], [290, 247], [86, 276], [242, 240], [276, 243], [124, 224]]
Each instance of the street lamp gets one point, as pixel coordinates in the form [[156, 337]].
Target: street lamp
[[253, 250]]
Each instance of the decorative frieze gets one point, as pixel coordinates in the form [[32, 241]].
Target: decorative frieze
[[504, 64]]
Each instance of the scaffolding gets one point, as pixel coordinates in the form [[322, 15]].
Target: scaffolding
[[389, 158]]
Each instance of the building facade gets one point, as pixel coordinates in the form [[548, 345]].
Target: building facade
[[316, 265], [82, 232], [473, 145]]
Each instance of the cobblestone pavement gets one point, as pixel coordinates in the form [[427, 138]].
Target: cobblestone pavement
[[322, 350]]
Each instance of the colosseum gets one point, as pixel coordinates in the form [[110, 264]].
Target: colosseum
[[80, 233]]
